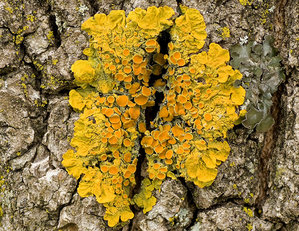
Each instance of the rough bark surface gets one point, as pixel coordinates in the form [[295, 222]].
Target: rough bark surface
[[257, 188]]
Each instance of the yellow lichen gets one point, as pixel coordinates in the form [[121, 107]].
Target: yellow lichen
[[245, 2], [187, 137], [225, 33]]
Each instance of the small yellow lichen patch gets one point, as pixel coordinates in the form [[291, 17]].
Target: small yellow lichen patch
[[245, 2], [225, 33]]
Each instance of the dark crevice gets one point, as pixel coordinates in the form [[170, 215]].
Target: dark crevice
[[221, 2], [54, 28], [150, 115], [60, 208], [151, 112], [179, 3], [122, 4], [270, 143], [94, 4], [138, 177], [190, 201]]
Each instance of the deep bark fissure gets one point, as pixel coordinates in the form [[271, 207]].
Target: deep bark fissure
[[270, 141], [60, 208], [55, 30], [94, 6], [150, 115]]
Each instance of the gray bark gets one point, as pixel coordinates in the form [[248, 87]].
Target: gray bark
[[40, 40]]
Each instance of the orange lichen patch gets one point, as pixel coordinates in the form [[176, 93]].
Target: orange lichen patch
[[142, 127], [137, 70], [135, 87], [127, 157], [124, 62], [172, 60], [188, 136], [163, 136], [169, 154], [127, 69], [151, 43], [201, 105], [170, 46], [114, 119], [170, 72], [101, 100], [132, 168], [163, 113], [192, 70], [149, 151], [126, 52], [118, 133], [168, 161], [146, 91], [122, 100], [112, 67], [181, 62], [116, 126], [156, 166], [113, 170], [117, 111], [128, 85], [186, 146], [127, 142], [110, 99], [159, 149], [180, 150], [128, 78], [134, 112], [137, 59], [119, 76], [150, 49], [188, 105], [126, 183], [177, 55], [104, 168], [104, 157], [162, 155], [147, 141], [177, 131], [163, 169], [161, 176], [141, 100], [182, 99], [104, 140], [208, 117], [151, 175], [116, 154], [112, 140], [186, 77], [107, 112], [127, 174]]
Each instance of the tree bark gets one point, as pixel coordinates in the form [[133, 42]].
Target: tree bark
[[256, 188]]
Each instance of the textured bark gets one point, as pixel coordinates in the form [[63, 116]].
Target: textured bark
[[257, 187]]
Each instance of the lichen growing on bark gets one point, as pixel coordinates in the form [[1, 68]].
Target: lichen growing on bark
[[186, 139]]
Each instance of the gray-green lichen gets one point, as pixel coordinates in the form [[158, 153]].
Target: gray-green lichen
[[262, 74]]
